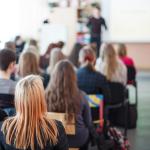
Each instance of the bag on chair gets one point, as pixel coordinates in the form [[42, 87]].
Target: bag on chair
[[132, 116]]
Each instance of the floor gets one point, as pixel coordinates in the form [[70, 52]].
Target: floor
[[139, 138]]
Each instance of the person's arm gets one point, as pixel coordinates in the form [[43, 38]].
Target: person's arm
[[86, 111], [104, 24], [62, 138], [106, 91], [89, 23]]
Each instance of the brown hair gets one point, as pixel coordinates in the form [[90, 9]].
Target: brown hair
[[110, 58], [33, 42], [30, 122], [7, 56], [121, 50], [28, 64], [10, 45], [85, 52], [62, 91], [55, 56]]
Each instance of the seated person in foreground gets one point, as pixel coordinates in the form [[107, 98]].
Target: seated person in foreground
[[28, 64], [88, 79], [30, 129], [63, 95], [7, 86], [111, 66]]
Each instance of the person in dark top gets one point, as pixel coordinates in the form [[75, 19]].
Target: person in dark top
[[28, 64], [89, 80], [30, 128], [19, 43], [74, 55], [96, 22], [3, 115]]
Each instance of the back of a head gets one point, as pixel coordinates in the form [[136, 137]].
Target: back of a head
[[10, 45], [28, 64], [30, 114], [55, 56], [121, 50], [61, 44], [87, 56], [7, 56], [74, 55], [33, 42], [109, 57], [62, 91]]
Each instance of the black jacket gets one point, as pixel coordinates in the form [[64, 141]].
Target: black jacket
[[93, 83]]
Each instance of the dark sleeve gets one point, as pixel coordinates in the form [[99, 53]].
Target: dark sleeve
[[106, 91], [104, 24], [86, 111], [3, 115], [46, 79], [1, 137], [62, 138]]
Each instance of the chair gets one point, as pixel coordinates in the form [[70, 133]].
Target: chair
[[118, 99], [131, 76], [69, 126], [96, 105]]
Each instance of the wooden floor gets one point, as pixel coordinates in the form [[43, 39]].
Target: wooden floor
[[140, 137]]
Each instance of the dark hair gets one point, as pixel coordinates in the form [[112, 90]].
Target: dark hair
[[16, 38], [7, 56], [61, 44], [74, 55]]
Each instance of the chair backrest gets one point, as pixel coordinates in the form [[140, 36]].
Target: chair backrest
[[117, 92], [6, 100], [69, 126], [130, 73]]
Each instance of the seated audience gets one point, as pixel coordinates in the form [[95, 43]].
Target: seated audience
[[28, 64], [74, 55], [3, 115], [90, 80], [10, 45], [44, 60], [55, 56], [33, 42], [111, 66], [30, 129], [7, 86], [63, 95]]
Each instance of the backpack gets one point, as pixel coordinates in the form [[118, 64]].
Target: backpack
[[121, 142]]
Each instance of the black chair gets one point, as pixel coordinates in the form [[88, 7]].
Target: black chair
[[131, 76], [119, 99]]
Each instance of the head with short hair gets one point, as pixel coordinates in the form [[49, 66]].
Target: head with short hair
[[30, 121], [7, 59], [121, 50], [61, 44], [33, 42], [87, 58], [55, 56], [74, 55], [62, 91], [96, 12], [28, 64], [10, 45], [110, 58]]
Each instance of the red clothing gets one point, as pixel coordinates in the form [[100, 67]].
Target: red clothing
[[128, 62]]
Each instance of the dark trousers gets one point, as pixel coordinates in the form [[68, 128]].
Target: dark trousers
[[97, 39]]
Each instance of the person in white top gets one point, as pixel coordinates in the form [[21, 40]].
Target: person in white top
[[110, 65]]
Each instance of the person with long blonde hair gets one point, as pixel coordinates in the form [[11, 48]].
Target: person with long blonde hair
[[55, 56], [30, 128], [110, 65], [28, 64], [90, 80]]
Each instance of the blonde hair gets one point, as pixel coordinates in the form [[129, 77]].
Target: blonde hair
[[121, 50], [110, 58], [28, 64], [30, 122], [55, 56], [85, 52]]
